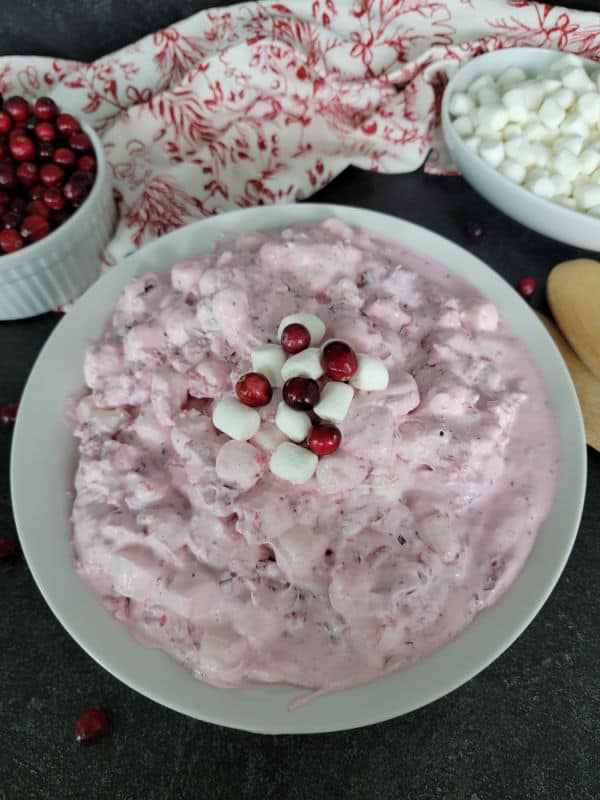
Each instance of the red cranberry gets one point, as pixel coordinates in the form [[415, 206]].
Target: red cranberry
[[339, 361], [65, 157], [45, 131], [474, 230], [38, 208], [5, 198], [8, 179], [91, 725], [45, 108], [11, 219], [301, 393], [67, 124], [6, 122], [80, 142], [29, 126], [18, 204], [4, 151], [294, 338], [45, 151], [27, 173], [54, 199], [78, 186], [8, 413], [52, 174], [86, 164], [526, 287], [324, 439], [10, 240], [18, 108], [37, 191], [21, 147], [34, 228], [253, 389], [8, 550]]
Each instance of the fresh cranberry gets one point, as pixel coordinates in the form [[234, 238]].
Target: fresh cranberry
[[18, 204], [253, 389], [18, 108], [45, 151], [8, 413], [52, 175], [6, 122], [324, 439], [301, 393], [80, 142], [8, 550], [86, 164], [45, 131], [5, 198], [91, 725], [4, 151], [45, 108], [10, 240], [21, 147], [38, 208], [11, 219], [78, 186], [54, 199], [8, 179], [67, 124], [34, 228], [474, 230], [65, 157], [526, 287], [339, 361], [37, 191], [29, 125], [294, 338], [27, 174]]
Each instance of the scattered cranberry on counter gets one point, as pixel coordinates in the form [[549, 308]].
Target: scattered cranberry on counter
[[324, 439], [91, 725], [474, 230], [301, 394], [526, 287], [339, 361], [8, 550], [295, 338], [254, 390]]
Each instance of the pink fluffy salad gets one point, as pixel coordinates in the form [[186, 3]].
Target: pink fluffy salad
[[422, 518]]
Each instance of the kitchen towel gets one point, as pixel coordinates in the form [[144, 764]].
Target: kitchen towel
[[266, 102]]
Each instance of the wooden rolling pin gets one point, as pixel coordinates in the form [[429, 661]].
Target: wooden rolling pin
[[587, 385]]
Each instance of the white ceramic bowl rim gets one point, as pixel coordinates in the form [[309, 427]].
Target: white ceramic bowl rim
[[43, 461], [64, 231]]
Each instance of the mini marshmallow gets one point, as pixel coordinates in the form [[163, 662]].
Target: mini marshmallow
[[518, 114], [587, 195], [564, 97], [520, 150], [512, 130], [473, 143], [588, 106], [589, 160], [536, 131], [578, 80], [566, 62], [460, 104], [514, 98], [562, 186], [487, 96], [238, 421], [575, 124], [551, 85], [293, 463], [479, 83], [268, 360], [306, 362], [534, 94], [492, 118], [566, 164], [492, 151], [541, 154], [511, 77], [295, 424], [571, 143], [542, 186], [567, 202], [335, 401], [551, 113], [463, 126], [315, 326], [512, 170], [371, 375]]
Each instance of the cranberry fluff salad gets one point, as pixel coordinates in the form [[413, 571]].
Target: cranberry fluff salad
[[311, 457]]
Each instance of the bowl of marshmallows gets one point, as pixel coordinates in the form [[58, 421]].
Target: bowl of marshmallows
[[523, 127]]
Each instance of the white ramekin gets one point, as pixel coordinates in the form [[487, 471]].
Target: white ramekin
[[60, 267]]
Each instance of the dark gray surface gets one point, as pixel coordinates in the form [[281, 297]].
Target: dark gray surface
[[524, 729]]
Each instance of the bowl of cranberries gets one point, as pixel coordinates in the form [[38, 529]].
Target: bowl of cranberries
[[56, 206]]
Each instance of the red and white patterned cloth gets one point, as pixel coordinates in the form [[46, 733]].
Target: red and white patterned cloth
[[266, 102]]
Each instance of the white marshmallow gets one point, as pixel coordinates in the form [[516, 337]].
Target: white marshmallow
[[315, 326], [512, 130], [574, 124], [460, 104], [534, 94], [589, 160], [520, 150], [564, 97], [492, 118], [514, 98], [473, 142], [335, 401], [479, 83], [587, 195], [595, 176], [588, 105], [293, 463], [567, 202], [562, 186], [518, 114], [578, 80], [492, 151], [295, 424], [571, 143], [566, 164], [551, 113], [542, 186], [541, 154], [551, 85], [512, 170], [238, 421], [511, 77], [306, 362], [565, 62], [268, 360], [535, 131], [463, 126], [487, 96], [371, 375]]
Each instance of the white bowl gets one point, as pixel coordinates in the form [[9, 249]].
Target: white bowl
[[44, 457], [543, 216], [58, 268]]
